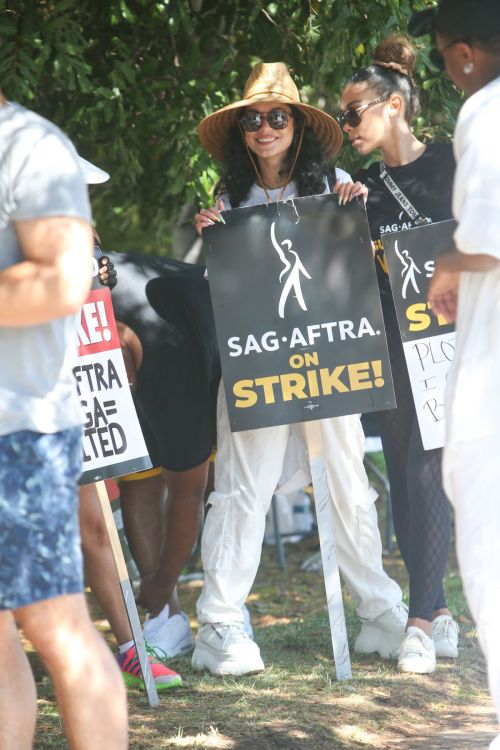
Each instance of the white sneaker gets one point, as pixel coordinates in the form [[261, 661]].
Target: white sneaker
[[168, 636], [384, 634], [225, 648], [246, 621], [445, 636], [417, 652]]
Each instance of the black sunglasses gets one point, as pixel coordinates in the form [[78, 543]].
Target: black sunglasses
[[352, 115], [252, 121]]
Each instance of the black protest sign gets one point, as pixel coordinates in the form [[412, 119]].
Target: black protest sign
[[428, 341], [410, 259], [113, 444], [297, 312]]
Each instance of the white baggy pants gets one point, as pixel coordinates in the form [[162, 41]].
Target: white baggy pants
[[471, 481], [248, 467]]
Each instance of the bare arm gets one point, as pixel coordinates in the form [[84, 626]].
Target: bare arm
[[132, 352], [55, 276], [453, 260], [443, 289]]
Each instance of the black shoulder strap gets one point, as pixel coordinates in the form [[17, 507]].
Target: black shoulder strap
[[401, 198]]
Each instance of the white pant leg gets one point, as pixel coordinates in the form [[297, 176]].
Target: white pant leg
[[247, 469], [359, 546], [472, 482]]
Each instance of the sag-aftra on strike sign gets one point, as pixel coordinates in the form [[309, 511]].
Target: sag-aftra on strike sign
[[428, 340], [297, 311]]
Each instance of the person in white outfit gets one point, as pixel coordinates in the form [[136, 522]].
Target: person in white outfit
[[273, 148], [466, 287]]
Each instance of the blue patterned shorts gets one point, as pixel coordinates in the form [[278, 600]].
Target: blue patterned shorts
[[40, 551]]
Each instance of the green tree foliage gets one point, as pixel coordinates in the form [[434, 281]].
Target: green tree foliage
[[129, 80]]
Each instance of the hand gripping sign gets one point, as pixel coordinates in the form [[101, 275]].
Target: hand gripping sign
[[428, 341], [301, 336]]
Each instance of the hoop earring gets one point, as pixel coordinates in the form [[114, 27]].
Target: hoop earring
[[468, 68]]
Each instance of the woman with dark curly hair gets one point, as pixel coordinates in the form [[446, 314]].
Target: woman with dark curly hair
[[274, 147], [309, 171]]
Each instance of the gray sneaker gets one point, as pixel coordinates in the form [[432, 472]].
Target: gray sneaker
[[445, 636], [384, 634], [225, 648]]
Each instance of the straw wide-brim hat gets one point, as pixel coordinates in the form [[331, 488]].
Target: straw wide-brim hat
[[268, 82]]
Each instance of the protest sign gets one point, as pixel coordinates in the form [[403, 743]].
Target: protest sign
[[428, 341], [297, 312], [113, 444]]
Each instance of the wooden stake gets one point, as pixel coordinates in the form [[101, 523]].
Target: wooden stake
[[128, 594], [324, 516]]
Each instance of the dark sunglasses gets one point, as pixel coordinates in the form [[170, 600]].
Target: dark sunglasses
[[436, 55], [277, 119], [352, 115]]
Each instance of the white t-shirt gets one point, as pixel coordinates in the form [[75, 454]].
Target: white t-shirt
[[473, 395], [39, 176], [257, 195]]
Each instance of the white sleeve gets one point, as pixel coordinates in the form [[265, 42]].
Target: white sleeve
[[225, 200], [342, 175], [476, 193]]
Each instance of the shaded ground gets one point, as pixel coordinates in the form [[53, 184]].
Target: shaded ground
[[296, 704]]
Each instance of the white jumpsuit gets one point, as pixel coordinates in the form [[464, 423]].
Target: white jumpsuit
[[248, 468]]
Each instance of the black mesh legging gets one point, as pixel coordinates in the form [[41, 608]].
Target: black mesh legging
[[420, 507]]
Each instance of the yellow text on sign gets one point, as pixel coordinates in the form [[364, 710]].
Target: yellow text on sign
[[357, 376], [420, 319]]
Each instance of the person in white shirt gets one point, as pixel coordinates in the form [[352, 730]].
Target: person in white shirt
[[466, 288]]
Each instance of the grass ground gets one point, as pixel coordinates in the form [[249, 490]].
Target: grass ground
[[297, 704]]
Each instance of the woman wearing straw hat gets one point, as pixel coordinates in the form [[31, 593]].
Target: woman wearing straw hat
[[274, 147]]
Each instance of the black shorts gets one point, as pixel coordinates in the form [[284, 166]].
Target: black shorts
[[180, 431], [180, 374], [167, 303]]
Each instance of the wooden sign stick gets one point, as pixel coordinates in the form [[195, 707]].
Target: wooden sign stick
[[324, 515], [128, 594]]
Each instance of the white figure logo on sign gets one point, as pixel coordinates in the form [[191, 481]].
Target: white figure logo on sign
[[410, 268], [293, 280]]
